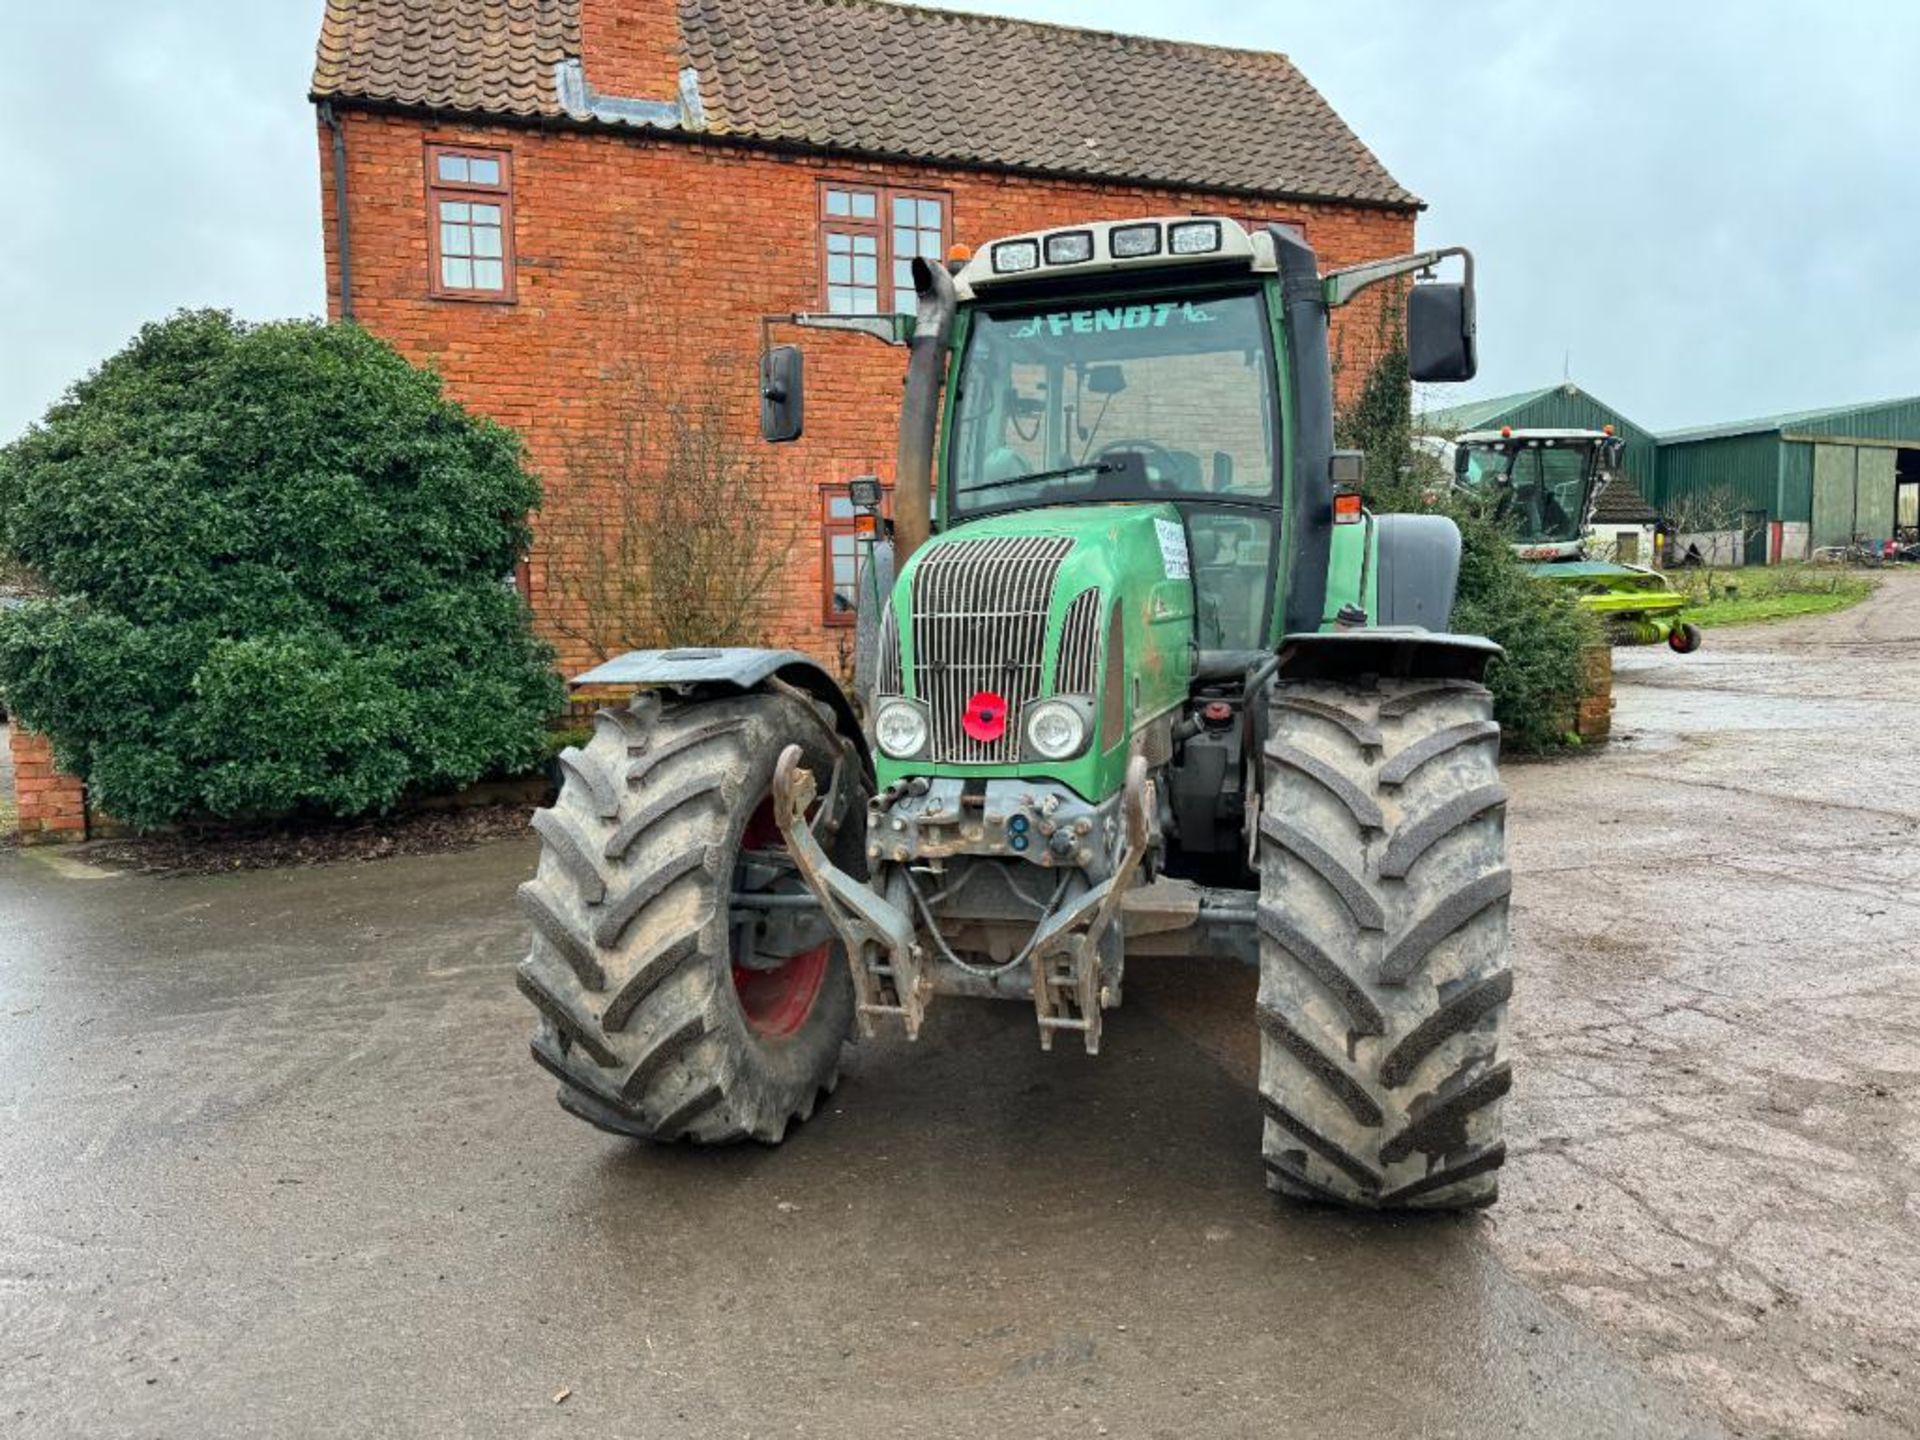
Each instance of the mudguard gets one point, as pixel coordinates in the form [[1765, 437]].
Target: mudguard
[[736, 669], [1405, 653], [1419, 571]]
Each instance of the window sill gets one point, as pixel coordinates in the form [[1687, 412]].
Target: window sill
[[474, 297]]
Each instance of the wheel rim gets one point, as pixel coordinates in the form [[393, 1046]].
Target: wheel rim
[[776, 1000]]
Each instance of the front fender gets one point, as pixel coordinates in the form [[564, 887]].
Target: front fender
[[737, 669], [1397, 654]]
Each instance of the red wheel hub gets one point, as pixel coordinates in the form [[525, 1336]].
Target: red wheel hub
[[777, 1000]]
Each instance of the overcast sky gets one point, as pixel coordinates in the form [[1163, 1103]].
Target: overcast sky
[[1700, 209]]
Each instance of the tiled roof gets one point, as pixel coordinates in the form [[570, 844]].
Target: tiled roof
[[1621, 503], [872, 77], [492, 57]]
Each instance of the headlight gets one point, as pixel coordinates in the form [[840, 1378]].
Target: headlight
[[900, 730], [1134, 242], [1073, 247], [1056, 730], [1016, 257], [1201, 237]]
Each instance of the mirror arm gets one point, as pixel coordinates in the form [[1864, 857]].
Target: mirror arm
[[1340, 286], [894, 330]]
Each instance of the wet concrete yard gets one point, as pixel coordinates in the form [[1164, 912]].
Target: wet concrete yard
[[273, 1160]]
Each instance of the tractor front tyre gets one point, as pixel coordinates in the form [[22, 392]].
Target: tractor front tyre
[[1685, 638], [1384, 970], [679, 997]]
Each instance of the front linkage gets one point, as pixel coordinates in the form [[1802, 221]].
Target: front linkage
[[894, 973]]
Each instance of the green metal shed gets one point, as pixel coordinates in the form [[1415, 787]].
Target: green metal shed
[[1558, 407], [1806, 480]]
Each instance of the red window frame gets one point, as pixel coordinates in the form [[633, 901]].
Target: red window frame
[[468, 192], [880, 230], [833, 527]]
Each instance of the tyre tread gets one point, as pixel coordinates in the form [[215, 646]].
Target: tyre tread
[[630, 962], [1385, 976]]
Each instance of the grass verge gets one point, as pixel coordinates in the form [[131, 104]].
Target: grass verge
[[1757, 594]]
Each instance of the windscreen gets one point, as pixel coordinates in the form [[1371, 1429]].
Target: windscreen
[[1541, 490], [1053, 404]]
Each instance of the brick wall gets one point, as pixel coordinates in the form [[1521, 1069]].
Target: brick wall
[[654, 257], [52, 806], [629, 50]]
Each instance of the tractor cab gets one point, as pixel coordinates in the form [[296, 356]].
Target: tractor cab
[[1543, 482], [1079, 400]]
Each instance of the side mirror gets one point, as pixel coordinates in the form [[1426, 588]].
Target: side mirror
[[1441, 344], [783, 401]]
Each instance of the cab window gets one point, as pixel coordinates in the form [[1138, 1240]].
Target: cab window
[[1048, 397]]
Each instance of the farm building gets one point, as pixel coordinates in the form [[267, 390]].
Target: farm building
[[1781, 487], [1623, 520], [1750, 492]]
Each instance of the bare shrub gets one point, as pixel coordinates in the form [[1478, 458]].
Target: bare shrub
[[1715, 522], [663, 541]]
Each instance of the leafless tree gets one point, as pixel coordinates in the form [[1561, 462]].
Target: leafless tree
[[1711, 518], [661, 537]]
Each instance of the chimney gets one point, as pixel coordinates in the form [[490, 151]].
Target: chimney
[[631, 48]]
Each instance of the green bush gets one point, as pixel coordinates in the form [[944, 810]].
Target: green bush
[[1537, 684], [278, 555]]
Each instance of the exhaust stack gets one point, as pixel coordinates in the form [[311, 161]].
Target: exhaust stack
[[920, 408]]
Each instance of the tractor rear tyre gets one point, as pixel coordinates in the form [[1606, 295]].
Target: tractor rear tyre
[[669, 1008], [1384, 971]]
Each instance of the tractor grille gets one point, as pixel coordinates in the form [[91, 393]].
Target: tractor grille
[[886, 675], [1079, 664], [980, 623]]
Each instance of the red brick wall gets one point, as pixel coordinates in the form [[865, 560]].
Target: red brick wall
[[656, 255], [631, 48], [53, 807]]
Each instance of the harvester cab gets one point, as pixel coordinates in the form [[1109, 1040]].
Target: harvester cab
[[1546, 484], [1138, 677]]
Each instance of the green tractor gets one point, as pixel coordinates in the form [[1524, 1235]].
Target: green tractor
[[1139, 679], [1548, 483]]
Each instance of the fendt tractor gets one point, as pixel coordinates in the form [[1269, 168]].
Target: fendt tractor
[[1139, 679], [1547, 483]]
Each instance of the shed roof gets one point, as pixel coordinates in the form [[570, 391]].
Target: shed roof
[[1478, 414], [1556, 406], [878, 78], [1830, 420]]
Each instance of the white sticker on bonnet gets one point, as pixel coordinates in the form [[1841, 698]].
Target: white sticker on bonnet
[[1173, 550]]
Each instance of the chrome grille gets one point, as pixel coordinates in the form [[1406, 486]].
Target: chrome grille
[[980, 623], [886, 675], [1079, 665]]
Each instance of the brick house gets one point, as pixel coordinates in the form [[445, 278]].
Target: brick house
[[573, 207], [565, 203]]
